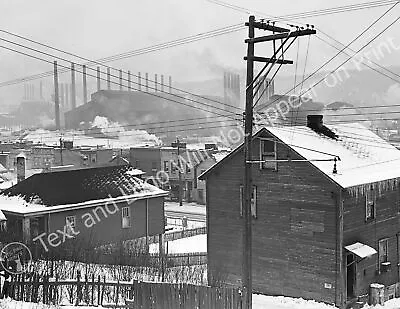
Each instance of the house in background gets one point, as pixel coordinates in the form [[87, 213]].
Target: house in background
[[200, 192], [322, 230], [104, 204]]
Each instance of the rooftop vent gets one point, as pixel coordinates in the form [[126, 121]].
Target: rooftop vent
[[315, 123]]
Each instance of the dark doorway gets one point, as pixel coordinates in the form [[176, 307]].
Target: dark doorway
[[351, 275]]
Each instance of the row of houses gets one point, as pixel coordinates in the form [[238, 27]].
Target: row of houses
[[171, 168]]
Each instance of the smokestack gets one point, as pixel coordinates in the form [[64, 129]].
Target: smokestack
[[73, 87], [41, 90], [162, 83], [155, 82], [139, 81], [66, 89], [24, 91], [56, 98], [120, 79], [225, 87], [62, 95], [98, 79], [33, 92], [147, 81], [170, 84], [20, 167], [129, 80], [84, 84], [108, 79]]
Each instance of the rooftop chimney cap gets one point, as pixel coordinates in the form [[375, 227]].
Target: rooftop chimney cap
[[315, 121]]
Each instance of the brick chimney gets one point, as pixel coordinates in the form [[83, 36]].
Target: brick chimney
[[20, 167]]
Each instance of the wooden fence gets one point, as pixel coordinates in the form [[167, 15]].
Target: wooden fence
[[138, 295]]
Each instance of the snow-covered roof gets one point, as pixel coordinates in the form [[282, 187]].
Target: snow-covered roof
[[364, 157]]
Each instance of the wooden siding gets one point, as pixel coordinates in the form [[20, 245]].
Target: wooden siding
[[108, 228], [294, 235], [386, 225]]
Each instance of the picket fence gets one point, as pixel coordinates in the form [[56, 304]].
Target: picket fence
[[118, 294]]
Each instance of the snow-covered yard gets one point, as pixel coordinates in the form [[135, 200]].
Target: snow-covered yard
[[259, 302], [196, 243]]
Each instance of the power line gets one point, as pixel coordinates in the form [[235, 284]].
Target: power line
[[153, 94], [90, 62], [154, 48], [359, 50]]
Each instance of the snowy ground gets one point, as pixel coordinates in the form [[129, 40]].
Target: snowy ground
[[196, 243], [259, 302]]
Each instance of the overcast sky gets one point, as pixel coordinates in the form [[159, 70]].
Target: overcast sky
[[99, 28]]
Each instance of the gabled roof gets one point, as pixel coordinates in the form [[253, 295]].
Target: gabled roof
[[364, 157], [83, 185]]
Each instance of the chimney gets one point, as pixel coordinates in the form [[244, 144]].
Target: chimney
[[73, 87], [98, 79], [140, 81], [108, 79], [41, 90], [66, 89], [129, 81], [225, 87], [155, 82], [62, 95], [84, 84], [120, 80], [315, 122], [56, 98], [147, 81], [20, 167], [162, 83]]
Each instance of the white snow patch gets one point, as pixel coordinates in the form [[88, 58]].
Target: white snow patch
[[196, 243]]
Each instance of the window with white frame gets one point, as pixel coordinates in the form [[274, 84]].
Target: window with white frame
[[370, 205], [268, 154], [70, 223], [383, 252], [253, 201], [126, 217]]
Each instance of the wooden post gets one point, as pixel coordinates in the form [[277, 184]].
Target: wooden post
[[92, 298], [78, 288], [98, 290]]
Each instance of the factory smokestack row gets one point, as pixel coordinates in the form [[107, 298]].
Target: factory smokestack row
[[232, 88]]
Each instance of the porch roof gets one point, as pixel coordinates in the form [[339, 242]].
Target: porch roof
[[361, 250]]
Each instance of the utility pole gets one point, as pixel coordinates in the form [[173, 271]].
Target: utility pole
[[61, 152], [247, 238], [178, 145], [179, 173], [283, 35]]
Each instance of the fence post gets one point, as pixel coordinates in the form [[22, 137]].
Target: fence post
[[98, 291], [78, 288], [92, 298]]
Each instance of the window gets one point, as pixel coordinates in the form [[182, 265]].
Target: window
[[166, 166], [126, 217], [70, 223], [268, 152], [187, 169], [93, 158], [173, 167], [253, 201], [370, 201], [383, 252]]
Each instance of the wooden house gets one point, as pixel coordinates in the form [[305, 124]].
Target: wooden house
[[322, 230], [97, 205]]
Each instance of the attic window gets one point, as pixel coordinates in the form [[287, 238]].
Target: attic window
[[268, 153]]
